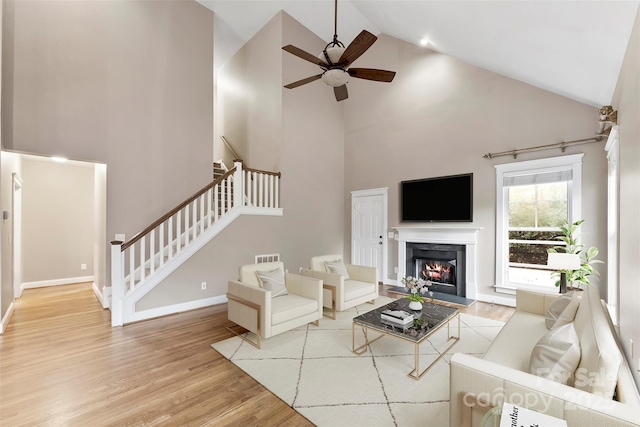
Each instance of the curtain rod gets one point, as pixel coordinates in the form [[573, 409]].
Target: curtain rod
[[562, 145]]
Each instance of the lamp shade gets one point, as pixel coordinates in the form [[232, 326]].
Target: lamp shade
[[563, 261], [335, 77]]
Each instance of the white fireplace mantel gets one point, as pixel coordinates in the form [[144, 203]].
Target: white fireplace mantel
[[451, 235]]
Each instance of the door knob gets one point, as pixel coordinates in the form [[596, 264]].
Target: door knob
[[379, 243]]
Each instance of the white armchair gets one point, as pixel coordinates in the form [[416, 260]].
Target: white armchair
[[253, 307], [340, 293]]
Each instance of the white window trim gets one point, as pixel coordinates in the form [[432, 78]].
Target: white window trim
[[574, 162], [613, 215]]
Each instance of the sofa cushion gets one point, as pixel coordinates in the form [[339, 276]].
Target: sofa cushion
[[290, 307], [273, 281], [317, 262], [355, 289], [337, 267], [556, 355], [562, 311], [248, 274], [514, 344], [597, 372]]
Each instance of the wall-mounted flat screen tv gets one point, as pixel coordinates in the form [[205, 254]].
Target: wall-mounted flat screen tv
[[440, 199]]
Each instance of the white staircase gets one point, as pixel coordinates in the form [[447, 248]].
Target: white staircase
[[142, 262]]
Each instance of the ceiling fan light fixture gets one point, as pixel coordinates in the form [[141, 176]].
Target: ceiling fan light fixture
[[335, 77], [335, 62], [333, 53]]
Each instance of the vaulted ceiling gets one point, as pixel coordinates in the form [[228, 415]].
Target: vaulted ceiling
[[572, 48]]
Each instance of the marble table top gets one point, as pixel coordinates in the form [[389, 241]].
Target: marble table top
[[425, 321]]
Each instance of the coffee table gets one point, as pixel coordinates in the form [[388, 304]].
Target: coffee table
[[430, 319]]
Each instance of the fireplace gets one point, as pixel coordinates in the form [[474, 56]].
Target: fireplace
[[442, 264], [455, 238]]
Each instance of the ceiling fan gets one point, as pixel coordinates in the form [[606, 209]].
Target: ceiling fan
[[335, 60]]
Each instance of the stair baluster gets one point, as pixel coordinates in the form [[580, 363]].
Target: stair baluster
[[151, 256]]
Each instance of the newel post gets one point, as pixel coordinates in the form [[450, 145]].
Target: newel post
[[117, 283], [238, 184]]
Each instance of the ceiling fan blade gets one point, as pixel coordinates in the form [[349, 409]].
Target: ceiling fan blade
[[304, 55], [372, 74], [358, 46], [341, 92], [303, 81]]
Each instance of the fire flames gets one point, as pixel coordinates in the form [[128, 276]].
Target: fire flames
[[436, 271]]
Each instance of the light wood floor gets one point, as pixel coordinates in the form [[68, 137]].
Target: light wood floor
[[61, 363]]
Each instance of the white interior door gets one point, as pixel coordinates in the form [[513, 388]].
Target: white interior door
[[369, 229]]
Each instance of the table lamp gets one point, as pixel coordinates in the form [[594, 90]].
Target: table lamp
[[563, 262]]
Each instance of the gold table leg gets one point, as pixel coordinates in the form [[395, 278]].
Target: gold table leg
[[363, 348], [416, 374]]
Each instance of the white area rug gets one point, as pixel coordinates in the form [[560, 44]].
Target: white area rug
[[314, 371]]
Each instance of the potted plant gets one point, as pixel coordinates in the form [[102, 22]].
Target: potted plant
[[571, 246]]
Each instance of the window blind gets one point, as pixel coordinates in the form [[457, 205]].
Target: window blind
[[538, 178]]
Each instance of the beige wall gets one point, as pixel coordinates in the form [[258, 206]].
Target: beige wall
[[626, 100], [309, 152], [99, 225], [218, 262], [311, 156], [10, 163], [127, 83], [249, 98], [226, 42], [6, 288], [439, 117], [57, 220]]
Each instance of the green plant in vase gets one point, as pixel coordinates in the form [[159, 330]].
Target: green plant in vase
[[416, 287], [587, 256]]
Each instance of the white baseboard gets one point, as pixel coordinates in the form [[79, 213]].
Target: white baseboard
[[177, 308], [101, 295], [97, 291], [56, 282], [106, 297], [6, 319], [495, 299]]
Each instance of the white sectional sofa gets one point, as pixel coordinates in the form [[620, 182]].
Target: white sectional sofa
[[602, 392]]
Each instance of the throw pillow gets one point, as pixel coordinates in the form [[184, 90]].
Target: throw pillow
[[562, 311], [337, 267], [556, 355], [273, 281]]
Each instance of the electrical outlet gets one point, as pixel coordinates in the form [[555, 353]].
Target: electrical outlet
[[395, 270], [83, 266], [203, 286]]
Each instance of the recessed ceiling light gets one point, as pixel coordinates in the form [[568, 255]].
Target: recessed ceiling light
[[424, 41], [59, 159]]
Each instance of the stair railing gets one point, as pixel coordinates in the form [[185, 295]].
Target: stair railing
[[230, 148], [148, 251], [262, 188]]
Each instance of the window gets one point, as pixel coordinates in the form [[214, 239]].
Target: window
[[534, 198]]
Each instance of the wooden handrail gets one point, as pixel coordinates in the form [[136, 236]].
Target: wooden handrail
[[278, 174], [173, 211], [235, 155]]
